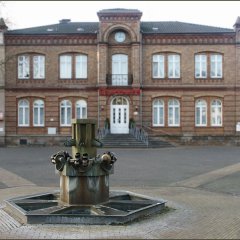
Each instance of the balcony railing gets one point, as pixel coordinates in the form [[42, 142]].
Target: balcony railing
[[119, 79]]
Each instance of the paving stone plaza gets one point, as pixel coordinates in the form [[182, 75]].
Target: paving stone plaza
[[200, 185]]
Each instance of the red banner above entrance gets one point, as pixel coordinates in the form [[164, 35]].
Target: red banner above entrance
[[110, 92]]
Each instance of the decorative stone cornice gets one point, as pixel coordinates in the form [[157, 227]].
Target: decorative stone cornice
[[188, 39], [88, 39], [119, 14]]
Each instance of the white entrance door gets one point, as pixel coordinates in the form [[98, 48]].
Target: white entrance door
[[119, 115], [119, 70]]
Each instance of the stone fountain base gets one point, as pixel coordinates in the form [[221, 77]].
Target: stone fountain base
[[122, 207]]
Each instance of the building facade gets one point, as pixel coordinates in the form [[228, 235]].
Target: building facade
[[3, 29], [175, 80]]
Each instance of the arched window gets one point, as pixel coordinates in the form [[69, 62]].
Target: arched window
[[119, 70], [65, 113], [201, 113], [31, 66], [158, 66], [166, 65], [81, 109], [38, 113], [81, 66], [216, 113], [174, 66], [216, 65], [73, 66], [65, 66], [23, 113], [119, 101], [173, 112], [158, 112]]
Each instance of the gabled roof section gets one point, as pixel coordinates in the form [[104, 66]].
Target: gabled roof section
[[64, 27], [175, 27], [169, 27]]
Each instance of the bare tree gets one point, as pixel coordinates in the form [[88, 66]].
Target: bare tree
[[7, 20]]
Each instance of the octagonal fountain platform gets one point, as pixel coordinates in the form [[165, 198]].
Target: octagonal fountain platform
[[122, 207], [84, 196]]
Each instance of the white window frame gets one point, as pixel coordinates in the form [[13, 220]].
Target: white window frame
[[65, 113], [65, 66], [158, 113], [201, 106], [38, 108], [38, 67], [216, 113], [23, 67], [174, 65], [81, 66], [81, 106], [23, 113], [174, 108], [201, 66], [158, 66], [216, 65]]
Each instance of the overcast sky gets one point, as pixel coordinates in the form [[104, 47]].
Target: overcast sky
[[24, 14]]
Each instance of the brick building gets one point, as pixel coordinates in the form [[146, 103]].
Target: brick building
[[176, 80]]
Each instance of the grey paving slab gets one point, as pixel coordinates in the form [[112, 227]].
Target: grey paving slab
[[200, 184], [228, 184], [196, 214]]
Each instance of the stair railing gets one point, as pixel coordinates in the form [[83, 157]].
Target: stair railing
[[102, 132], [139, 133]]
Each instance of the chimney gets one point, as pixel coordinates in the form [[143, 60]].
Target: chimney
[[63, 21]]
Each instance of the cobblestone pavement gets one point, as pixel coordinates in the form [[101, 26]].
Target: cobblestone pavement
[[195, 214], [196, 211]]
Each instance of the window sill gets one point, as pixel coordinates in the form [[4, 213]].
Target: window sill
[[73, 80], [204, 80], [168, 79], [209, 126], [31, 80]]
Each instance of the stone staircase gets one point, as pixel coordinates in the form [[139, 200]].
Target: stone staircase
[[128, 141], [121, 141]]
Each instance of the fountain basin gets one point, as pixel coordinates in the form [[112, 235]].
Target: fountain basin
[[47, 208]]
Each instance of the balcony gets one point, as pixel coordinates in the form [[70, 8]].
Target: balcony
[[119, 79]]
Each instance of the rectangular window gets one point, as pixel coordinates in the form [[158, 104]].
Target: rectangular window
[[38, 67], [66, 116], [38, 116], [65, 67], [174, 66], [216, 66], [200, 66], [23, 117], [158, 116], [69, 116], [81, 66], [158, 66], [23, 67]]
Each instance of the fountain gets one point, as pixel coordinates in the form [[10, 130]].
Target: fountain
[[84, 196]]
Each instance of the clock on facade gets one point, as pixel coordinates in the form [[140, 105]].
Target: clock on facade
[[120, 36]]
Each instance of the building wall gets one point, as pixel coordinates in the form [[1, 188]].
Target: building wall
[[2, 94], [140, 94], [187, 89]]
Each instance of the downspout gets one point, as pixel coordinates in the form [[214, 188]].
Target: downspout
[[141, 79], [98, 77]]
